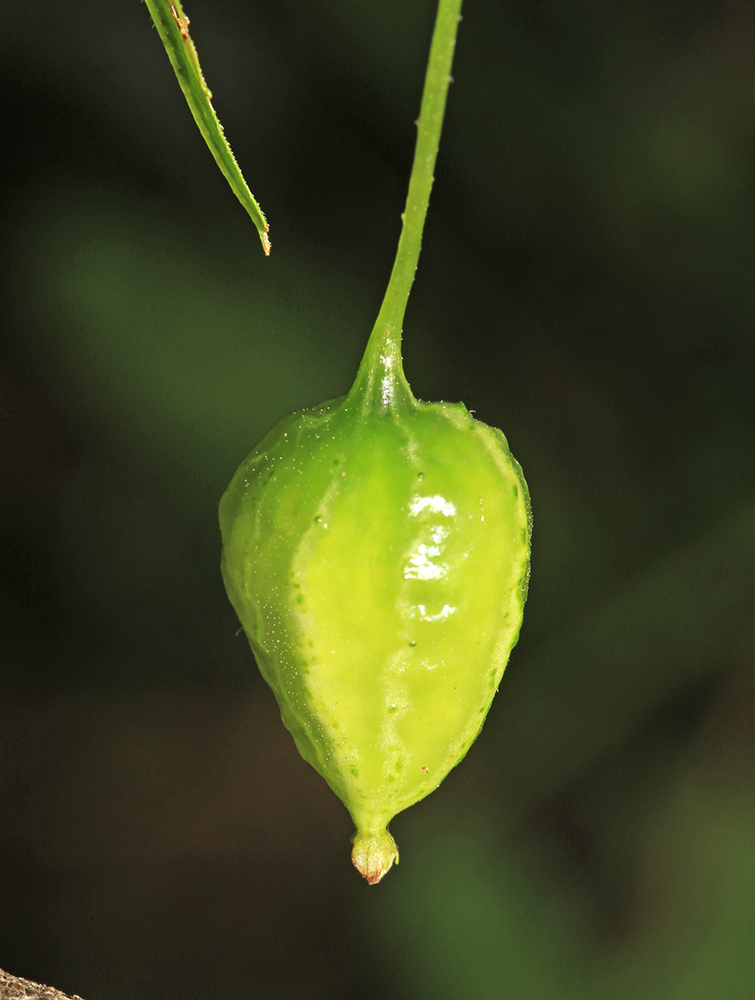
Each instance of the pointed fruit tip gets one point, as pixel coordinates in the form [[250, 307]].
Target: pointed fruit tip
[[373, 854]]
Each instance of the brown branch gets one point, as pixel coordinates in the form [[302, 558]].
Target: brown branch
[[12, 988]]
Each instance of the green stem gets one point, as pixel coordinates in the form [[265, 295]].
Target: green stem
[[381, 374]]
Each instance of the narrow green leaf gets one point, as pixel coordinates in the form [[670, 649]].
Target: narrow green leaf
[[173, 28]]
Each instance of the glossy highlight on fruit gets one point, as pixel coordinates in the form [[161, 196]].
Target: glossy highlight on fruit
[[376, 549]]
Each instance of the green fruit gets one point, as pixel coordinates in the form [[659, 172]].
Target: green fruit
[[376, 549]]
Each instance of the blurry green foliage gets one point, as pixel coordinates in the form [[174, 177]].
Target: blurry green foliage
[[181, 351], [488, 925]]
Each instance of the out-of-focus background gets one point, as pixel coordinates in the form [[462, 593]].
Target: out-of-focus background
[[587, 284]]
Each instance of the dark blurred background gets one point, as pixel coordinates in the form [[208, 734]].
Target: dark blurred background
[[587, 285]]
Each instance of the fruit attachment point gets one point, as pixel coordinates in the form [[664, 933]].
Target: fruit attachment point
[[373, 854]]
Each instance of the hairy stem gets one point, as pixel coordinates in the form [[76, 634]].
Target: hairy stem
[[381, 366]]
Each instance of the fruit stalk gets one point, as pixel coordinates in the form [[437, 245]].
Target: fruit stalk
[[381, 367]]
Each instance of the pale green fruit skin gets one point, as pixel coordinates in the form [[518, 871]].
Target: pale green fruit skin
[[379, 562]]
